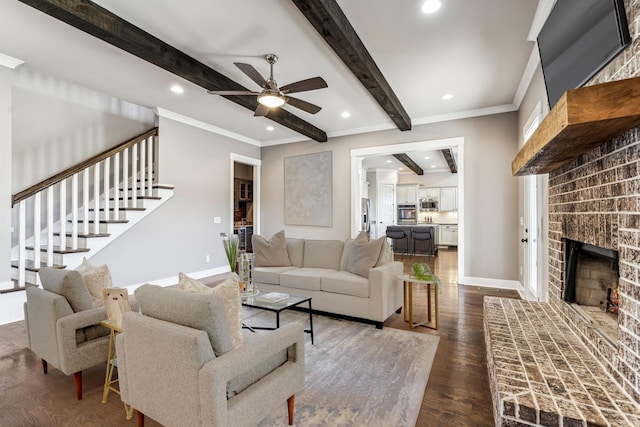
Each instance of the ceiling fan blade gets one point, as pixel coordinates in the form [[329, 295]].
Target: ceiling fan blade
[[252, 73], [303, 85], [261, 111], [303, 105], [232, 92]]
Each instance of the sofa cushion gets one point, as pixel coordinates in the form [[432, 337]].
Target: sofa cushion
[[322, 254], [295, 249], [343, 282], [364, 256], [238, 384], [269, 275], [270, 253], [198, 311], [386, 255], [229, 291], [69, 284], [304, 278], [348, 246]]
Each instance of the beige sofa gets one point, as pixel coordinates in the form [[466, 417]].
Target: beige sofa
[[333, 273]]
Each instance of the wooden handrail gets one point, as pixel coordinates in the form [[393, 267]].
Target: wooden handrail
[[25, 194]]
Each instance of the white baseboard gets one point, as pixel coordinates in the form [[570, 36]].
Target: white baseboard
[[492, 283]]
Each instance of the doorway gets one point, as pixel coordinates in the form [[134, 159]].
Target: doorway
[[244, 196], [358, 155]]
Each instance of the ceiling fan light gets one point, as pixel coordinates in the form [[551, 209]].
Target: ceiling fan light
[[270, 100]]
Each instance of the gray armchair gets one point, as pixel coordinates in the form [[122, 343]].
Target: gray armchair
[[175, 364], [69, 340]]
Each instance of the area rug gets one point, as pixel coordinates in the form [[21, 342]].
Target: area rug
[[356, 375]]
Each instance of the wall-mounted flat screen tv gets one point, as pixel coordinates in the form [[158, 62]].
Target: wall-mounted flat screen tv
[[577, 40]]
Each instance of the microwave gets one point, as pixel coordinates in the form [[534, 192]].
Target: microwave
[[428, 205]]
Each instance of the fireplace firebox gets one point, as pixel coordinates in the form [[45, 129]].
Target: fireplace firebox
[[591, 284]]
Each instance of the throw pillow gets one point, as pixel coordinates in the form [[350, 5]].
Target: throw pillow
[[270, 253], [96, 280], [348, 247], [85, 266], [198, 311], [364, 256], [229, 291], [386, 255], [69, 284]]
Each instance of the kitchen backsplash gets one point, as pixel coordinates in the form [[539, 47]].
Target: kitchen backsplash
[[439, 217]]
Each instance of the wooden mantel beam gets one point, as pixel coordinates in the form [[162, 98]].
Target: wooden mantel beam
[[105, 25], [332, 24]]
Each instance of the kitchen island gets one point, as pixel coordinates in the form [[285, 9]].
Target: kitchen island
[[415, 246]]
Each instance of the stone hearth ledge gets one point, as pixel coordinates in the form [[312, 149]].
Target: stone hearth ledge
[[541, 374]]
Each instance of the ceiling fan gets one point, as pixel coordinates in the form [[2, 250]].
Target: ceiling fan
[[271, 96]]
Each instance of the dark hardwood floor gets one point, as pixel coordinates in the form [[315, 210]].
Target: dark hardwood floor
[[457, 393]]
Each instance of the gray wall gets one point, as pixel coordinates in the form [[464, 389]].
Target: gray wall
[[5, 174], [178, 235], [491, 193]]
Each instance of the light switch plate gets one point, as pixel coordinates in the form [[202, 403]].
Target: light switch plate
[[217, 220]]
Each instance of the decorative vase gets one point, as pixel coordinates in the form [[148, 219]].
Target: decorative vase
[[245, 272]]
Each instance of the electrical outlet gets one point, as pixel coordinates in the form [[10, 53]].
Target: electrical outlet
[[217, 220], [13, 229], [207, 258]]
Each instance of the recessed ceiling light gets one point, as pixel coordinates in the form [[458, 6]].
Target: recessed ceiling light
[[427, 157], [177, 89], [345, 115], [388, 161], [270, 128], [433, 166], [431, 6], [447, 96]]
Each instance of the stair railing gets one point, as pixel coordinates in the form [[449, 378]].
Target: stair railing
[[125, 172]]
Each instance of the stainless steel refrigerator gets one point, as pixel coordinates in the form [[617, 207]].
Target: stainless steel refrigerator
[[366, 220]]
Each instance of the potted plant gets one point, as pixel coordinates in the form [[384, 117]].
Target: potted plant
[[422, 271], [230, 244]]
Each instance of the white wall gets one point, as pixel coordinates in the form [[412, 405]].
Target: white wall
[[491, 193], [5, 174]]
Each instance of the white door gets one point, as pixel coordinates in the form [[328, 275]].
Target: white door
[[386, 209], [530, 238]]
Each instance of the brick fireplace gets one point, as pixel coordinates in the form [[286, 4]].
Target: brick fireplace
[[595, 199]]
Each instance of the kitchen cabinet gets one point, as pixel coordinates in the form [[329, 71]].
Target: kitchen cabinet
[[406, 194], [448, 199], [448, 235], [429, 193], [244, 190]]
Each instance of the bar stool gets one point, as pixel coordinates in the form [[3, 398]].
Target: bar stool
[[397, 234], [423, 234]]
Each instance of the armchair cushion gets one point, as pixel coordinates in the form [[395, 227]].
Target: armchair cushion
[[198, 311], [96, 280], [229, 291], [69, 284]]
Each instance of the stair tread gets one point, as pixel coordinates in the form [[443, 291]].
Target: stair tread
[[105, 221], [139, 198], [85, 236], [31, 266], [123, 208], [57, 250]]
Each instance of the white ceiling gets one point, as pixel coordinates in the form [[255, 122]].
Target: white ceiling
[[476, 50]]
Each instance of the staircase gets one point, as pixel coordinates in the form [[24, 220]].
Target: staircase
[[79, 211]]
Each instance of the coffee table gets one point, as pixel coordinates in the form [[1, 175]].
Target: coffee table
[[278, 307]]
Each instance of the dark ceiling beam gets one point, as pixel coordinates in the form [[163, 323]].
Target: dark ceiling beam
[[332, 24], [406, 160], [105, 25], [451, 161]]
